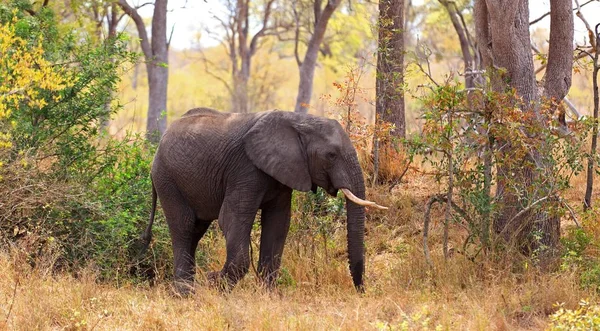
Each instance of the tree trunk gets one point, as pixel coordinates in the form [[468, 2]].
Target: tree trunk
[[560, 55], [389, 99], [503, 37], [464, 40], [390, 65], [587, 202], [239, 99], [307, 67], [156, 123], [240, 83], [112, 19], [157, 60], [158, 73]]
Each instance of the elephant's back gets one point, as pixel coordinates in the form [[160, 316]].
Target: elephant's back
[[200, 138]]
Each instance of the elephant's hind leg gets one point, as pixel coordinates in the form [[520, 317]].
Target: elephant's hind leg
[[275, 224], [185, 231]]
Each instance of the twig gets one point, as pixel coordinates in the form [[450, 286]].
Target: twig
[[573, 215], [571, 107], [430, 203], [523, 211], [12, 301], [397, 181], [450, 188], [439, 198]]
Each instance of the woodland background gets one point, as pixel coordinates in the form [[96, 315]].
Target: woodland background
[[77, 138]]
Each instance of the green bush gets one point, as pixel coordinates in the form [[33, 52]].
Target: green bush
[[575, 243], [75, 197], [121, 197], [479, 139]]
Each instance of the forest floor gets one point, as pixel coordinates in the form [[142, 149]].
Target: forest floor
[[402, 291]]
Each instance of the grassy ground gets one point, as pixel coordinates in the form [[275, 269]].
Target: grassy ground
[[315, 293]]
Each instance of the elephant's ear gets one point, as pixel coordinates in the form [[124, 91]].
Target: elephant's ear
[[275, 147]]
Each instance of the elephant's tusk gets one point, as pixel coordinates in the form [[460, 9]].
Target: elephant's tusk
[[360, 201]]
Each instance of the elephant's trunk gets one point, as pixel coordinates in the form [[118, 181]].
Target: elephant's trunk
[[356, 226]]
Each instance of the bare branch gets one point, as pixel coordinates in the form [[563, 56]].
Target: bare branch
[[571, 211], [144, 5], [207, 62], [139, 23], [297, 36], [548, 13], [430, 203], [572, 108], [12, 302], [170, 36], [522, 212], [587, 25], [263, 29]]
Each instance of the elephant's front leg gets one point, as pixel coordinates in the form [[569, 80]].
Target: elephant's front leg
[[275, 224], [236, 219]]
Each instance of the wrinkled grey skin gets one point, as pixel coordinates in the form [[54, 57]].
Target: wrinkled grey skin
[[211, 165]]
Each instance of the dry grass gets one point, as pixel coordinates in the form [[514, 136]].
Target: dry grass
[[402, 291], [462, 301]]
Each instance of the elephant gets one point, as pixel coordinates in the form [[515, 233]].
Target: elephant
[[226, 166]]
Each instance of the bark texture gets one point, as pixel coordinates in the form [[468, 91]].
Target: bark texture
[[560, 55], [390, 65], [504, 42], [308, 65], [156, 54]]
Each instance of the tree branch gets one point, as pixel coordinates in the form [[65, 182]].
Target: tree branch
[[587, 25], [139, 23], [263, 29], [206, 62], [170, 36], [548, 13], [297, 36]]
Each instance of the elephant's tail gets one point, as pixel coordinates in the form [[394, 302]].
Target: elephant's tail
[[147, 235]]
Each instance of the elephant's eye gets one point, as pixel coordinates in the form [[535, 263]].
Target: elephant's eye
[[331, 156]]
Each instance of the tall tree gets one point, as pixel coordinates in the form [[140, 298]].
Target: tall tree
[[469, 52], [502, 28], [389, 99], [156, 54], [236, 23], [390, 65], [308, 64]]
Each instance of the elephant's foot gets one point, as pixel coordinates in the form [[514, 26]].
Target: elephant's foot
[[184, 288]]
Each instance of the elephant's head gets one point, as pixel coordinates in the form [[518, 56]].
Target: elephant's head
[[304, 151]]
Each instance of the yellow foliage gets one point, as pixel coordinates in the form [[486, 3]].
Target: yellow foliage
[[24, 71]]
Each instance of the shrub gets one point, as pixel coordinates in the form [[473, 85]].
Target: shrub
[[74, 196], [586, 317], [470, 138]]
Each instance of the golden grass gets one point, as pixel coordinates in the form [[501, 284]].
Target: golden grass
[[402, 291]]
